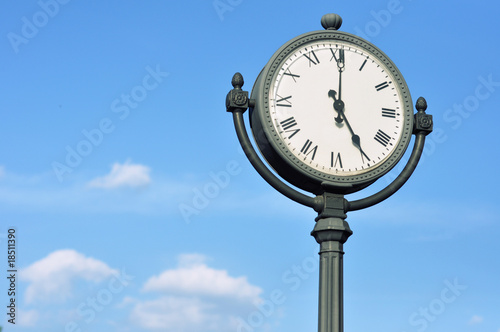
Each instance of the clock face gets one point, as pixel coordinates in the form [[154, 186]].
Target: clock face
[[338, 109]]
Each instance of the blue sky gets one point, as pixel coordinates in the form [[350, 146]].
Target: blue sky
[[113, 122]]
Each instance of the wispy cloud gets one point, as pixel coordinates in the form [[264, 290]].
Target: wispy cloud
[[190, 297], [195, 297], [110, 193], [193, 276], [39, 194], [476, 319], [51, 278], [69, 290], [177, 314], [28, 318], [434, 220], [123, 175]]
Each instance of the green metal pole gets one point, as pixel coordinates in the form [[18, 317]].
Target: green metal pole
[[331, 232]]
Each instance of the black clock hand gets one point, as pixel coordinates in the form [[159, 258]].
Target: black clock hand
[[357, 143], [340, 67], [339, 106], [355, 138], [338, 119], [333, 94]]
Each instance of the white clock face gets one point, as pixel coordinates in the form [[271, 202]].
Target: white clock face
[[337, 108]]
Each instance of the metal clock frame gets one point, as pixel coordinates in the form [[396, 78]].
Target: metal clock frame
[[275, 151]]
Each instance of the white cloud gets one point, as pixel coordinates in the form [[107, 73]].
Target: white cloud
[[51, 278], [28, 318], [195, 297], [174, 313], [41, 193], [123, 175], [476, 320], [193, 276], [189, 260]]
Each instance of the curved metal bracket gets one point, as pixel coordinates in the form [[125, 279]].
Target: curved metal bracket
[[237, 103], [422, 127], [327, 204]]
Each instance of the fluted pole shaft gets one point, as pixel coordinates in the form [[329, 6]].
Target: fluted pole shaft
[[331, 234]]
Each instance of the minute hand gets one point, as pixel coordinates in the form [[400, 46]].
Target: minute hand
[[339, 107], [340, 66]]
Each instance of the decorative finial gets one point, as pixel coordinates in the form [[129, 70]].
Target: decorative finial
[[421, 104], [331, 21], [237, 81], [237, 100], [423, 122]]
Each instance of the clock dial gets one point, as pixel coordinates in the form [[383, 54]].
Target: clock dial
[[331, 111], [337, 108]]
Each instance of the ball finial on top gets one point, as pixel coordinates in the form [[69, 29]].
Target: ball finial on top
[[331, 21]]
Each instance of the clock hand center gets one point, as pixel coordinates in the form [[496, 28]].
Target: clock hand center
[[339, 105]]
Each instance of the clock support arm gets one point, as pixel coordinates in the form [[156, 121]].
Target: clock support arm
[[422, 127], [237, 102]]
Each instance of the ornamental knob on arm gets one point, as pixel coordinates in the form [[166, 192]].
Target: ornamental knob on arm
[[423, 121], [237, 99]]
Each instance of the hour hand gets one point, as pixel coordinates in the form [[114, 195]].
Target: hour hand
[[332, 94], [338, 105]]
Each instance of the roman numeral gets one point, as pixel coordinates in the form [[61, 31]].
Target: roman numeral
[[288, 124], [382, 138], [306, 149], [285, 99], [363, 65], [381, 86], [336, 160], [289, 73], [341, 55], [388, 113], [333, 55], [310, 56]]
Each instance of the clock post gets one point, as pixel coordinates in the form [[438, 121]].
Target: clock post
[[289, 148], [331, 232]]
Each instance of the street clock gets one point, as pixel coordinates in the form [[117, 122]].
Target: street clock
[[331, 110], [331, 114]]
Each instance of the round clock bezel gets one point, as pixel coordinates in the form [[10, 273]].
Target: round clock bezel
[[276, 152]]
